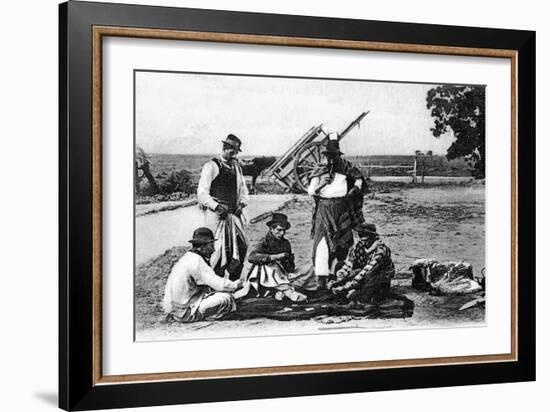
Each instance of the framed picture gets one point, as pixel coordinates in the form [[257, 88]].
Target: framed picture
[[256, 205]]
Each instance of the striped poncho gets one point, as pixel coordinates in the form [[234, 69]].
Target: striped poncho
[[334, 219]]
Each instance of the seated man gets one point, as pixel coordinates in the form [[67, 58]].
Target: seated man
[[193, 291], [368, 269], [273, 261]]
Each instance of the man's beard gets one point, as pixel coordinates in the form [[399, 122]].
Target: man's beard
[[205, 255], [333, 161], [332, 164], [229, 158]]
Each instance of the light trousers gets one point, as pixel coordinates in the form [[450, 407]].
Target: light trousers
[[216, 306], [323, 267]]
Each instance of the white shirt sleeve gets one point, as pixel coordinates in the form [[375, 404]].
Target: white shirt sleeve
[[312, 186], [243, 189], [207, 276], [208, 174]]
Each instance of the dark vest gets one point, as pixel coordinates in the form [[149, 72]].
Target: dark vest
[[224, 186]]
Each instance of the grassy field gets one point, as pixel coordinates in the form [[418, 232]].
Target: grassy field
[[164, 164], [433, 166]]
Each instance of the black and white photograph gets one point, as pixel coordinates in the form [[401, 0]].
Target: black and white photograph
[[280, 205], [275, 206]]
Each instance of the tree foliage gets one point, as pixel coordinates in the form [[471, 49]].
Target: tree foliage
[[461, 109], [179, 181], [142, 164]]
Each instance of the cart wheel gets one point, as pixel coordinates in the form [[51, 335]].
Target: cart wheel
[[305, 161]]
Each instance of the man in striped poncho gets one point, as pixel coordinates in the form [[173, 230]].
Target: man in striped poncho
[[367, 272], [337, 187]]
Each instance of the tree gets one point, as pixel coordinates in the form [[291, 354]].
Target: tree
[[461, 109], [142, 164]]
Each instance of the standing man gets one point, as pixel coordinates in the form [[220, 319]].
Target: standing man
[[222, 195], [336, 186], [193, 292]]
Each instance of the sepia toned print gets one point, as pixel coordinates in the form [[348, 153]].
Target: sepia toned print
[[284, 205]]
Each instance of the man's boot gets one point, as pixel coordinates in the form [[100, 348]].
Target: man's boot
[[321, 283]]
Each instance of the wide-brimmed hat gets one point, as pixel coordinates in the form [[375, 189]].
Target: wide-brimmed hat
[[201, 236], [332, 147], [279, 219], [366, 229], [233, 141]]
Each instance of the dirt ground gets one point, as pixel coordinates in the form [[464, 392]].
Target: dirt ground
[[446, 223]]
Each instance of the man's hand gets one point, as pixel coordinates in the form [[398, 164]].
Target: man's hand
[[340, 276], [239, 209], [238, 284], [278, 256], [221, 210], [325, 180]]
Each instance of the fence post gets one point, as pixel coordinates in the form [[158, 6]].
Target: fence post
[[422, 168]]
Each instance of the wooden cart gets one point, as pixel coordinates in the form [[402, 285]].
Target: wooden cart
[[292, 169]]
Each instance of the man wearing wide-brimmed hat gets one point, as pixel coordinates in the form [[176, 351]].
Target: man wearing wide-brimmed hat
[[273, 262], [337, 187], [193, 291], [222, 195], [367, 272]]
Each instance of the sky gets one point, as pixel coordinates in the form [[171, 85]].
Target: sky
[[186, 113]]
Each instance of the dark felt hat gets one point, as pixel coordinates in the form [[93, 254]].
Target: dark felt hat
[[332, 147], [279, 219], [233, 141], [201, 236], [366, 229]]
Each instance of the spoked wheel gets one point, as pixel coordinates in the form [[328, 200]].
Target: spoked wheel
[[307, 158]]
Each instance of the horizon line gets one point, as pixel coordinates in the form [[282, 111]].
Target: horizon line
[[266, 155]]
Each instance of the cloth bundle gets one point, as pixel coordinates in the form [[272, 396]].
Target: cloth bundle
[[444, 278]]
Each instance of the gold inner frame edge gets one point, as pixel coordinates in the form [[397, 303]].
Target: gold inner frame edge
[[101, 31]]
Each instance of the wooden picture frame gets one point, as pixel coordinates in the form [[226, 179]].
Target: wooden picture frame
[[82, 385]]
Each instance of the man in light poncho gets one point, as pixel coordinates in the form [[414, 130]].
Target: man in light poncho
[[222, 195]]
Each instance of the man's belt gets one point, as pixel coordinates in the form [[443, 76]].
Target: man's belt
[[232, 207], [332, 199]]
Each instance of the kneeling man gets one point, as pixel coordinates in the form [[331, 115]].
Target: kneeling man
[[368, 269], [193, 291], [273, 262]]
